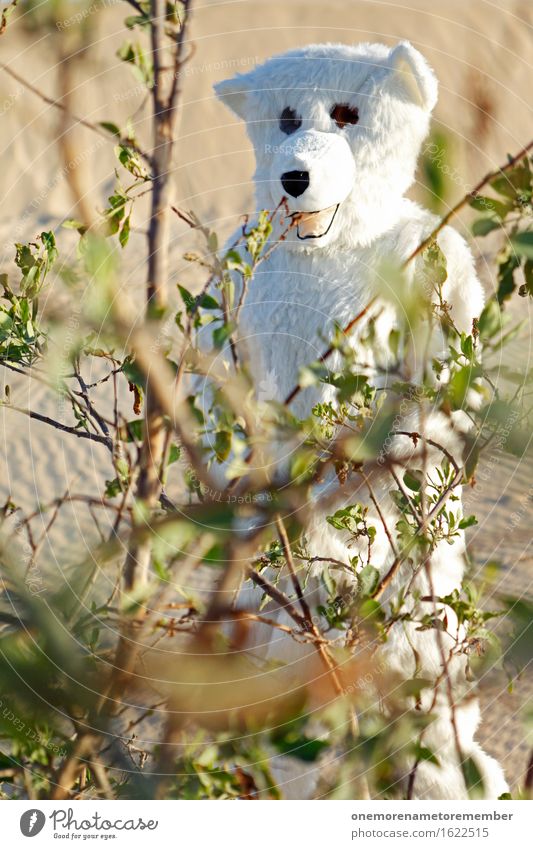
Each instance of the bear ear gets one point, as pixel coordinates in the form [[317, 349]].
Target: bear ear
[[234, 93], [413, 76]]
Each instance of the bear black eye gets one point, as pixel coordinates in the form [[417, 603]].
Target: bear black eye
[[289, 121], [343, 114]]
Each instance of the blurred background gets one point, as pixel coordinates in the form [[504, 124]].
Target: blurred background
[[481, 52]]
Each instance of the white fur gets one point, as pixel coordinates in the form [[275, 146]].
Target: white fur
[[304, 287]]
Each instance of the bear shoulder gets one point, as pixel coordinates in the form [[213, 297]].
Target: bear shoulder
[[462, 288]]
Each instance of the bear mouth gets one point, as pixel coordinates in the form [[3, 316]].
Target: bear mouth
[[314, 225]]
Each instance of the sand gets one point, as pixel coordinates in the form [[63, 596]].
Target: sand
[[481, 52]]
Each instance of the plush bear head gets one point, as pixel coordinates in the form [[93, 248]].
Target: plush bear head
[[337, 130]]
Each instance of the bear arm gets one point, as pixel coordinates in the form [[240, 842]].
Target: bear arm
[[462, 288], [464, 292]]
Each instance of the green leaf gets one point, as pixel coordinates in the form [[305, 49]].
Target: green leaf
[[174, 454], [499, 411], [110, 127], [506, 281], [135, 430], [460, 383], [137, 21], [140, 512], [133, 373], [527, 287], [434, 271], [222, 334], [160, 569], [483, 226], [413, 480], [394, 342], [503, 186], [233, 260], [515, 181], [188, 299], [367, 580], [523, 243], [414, 686], [112, 488], [216, 556], [467, 346], [74, 224], [490, 320], [6, 323], [49, 242], [312, 374], [347, 518], [422, 753], [349, 385], [222, 445], [473, 779], [329, 582], [436, 165], [371, 610], [125, 232], [127, 157], [207, 302], [212, 242], [467, 522], [141, 66], [289, 740], [122, 468], [490, 206], [303, 463]]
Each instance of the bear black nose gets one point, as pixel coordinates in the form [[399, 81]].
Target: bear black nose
[[295, 182]]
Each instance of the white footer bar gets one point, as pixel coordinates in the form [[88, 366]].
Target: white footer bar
[[268, 825]]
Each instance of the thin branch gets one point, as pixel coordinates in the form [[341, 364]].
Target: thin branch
[[466, 199], [379, 512], [164, 122], [179, 61], [406, 496], [323, 652], [264, 620], [328, 352], [69, 497], [528, 782], [447, 676], [81, 434], [101, 778], [137, 6], [88, 403], [387, 578], [58, 104], [283, 538], [415, 436], [71, 767], [228, 586], [279, 597], [49, 526]]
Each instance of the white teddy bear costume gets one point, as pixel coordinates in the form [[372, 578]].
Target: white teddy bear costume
[[337, 130]]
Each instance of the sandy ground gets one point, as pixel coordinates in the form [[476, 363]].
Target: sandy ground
[[481, 52]]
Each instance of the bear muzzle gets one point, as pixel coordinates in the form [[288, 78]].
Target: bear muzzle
[[314, 225], [315, 172]]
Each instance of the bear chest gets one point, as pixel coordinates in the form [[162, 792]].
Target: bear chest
[[292, 305]]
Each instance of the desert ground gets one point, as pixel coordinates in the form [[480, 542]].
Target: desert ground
[[482, 54]]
